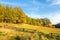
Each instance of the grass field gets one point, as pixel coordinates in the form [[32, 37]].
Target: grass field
[[10, 31], [38, 28]]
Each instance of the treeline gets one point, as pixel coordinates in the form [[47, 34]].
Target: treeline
[[16, 15], [57, 25]]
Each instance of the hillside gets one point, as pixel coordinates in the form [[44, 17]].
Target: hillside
[[10, 31], [16, 15], [38, 28], [16, 25], [57, 25]]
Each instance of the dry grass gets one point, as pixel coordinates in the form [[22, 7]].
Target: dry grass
[[9, 34], [38, 28]]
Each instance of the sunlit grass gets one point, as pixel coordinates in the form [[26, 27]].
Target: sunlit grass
[[38, 28]]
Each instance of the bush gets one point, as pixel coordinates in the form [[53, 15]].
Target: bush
[[17, 38]]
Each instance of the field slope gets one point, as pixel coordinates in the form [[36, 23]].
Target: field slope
[[10, 31], [38, 28]]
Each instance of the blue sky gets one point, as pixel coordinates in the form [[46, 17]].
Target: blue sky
[[38, 8]]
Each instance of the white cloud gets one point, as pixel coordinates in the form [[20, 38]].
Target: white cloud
[[34, 15], [48, 0], [6, 3], [55, 2], [37, 3], [54, 17], [13, 3]]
